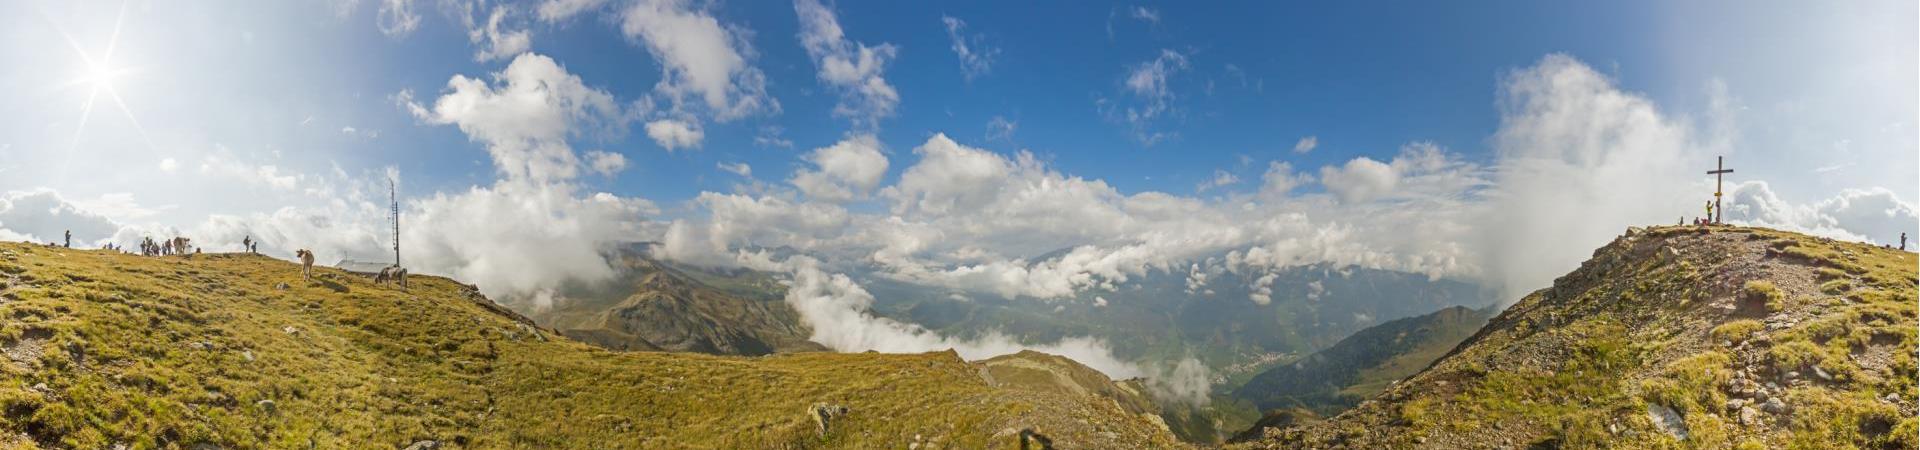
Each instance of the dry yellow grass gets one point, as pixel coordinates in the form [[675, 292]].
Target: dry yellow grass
[[105, 349]]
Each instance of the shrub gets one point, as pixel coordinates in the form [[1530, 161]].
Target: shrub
[[1737, 331], [1763, 291], [1795, 355]]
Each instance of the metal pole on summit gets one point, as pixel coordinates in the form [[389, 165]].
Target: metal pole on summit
[[393, 198]]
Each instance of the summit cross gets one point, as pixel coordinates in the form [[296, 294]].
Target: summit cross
[[1720, 164]]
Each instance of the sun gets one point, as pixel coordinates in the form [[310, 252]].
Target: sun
[[98, 74]]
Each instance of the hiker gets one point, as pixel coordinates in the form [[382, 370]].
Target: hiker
[[1903, 241], [69, 239], [1709, 212], [246, 244]]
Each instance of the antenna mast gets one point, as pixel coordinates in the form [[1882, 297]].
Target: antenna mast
[[394, 210]]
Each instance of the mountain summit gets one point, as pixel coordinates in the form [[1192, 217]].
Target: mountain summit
[[1708, 337]]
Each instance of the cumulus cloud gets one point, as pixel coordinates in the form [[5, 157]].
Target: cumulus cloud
[[538, 229], [1220, 178], [606, 163], [42, 215], [847, 170], [700, 58], [1360, 180], [976, 58], [674, 134], [1873, 215], [854, 69], [1579, 160], [1306, 144], [1281, 179], [525, 117]]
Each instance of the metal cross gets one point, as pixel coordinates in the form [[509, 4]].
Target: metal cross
[[1721, 164]]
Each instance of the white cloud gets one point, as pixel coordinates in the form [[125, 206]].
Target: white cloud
[[852, 68], [222, 164], [1360, 180], [772, 136], [741, 169], [674, 134], [526, 117], [1001, 129], [1144, 14], [169, 165], [1579, 161], [1306, 144], [559, 10], [1147, 84], [606, 163], [699, 57], [1873, 215], [500, 40], [42, 215], [847, 170], [1221, 178], [396, 17], [1281, 179], [976, 58]]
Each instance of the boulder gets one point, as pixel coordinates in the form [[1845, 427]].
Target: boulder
[[1667, 421], [823, 415]]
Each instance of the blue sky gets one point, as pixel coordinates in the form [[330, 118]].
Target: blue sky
[[1114, 127]]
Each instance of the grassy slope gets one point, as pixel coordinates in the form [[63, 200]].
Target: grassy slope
[[1363, 364], [652, 307], [172, 352], [1675, 317]]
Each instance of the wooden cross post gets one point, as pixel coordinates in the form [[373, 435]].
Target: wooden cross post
[[1721, 170]]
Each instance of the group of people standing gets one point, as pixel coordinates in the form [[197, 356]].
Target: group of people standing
[[175, 246]]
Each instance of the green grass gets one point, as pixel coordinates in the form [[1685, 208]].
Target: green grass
[[1764, 292], [178, 351], [1737, 331]]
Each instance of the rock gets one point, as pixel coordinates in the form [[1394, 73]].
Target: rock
[[1775, 406], [1793, 374], [267, 406], [247, 354], [1667, 421], [1736, 404], [1822, 374], [282, 286], [424, 445], [1893, 398], [1749, 416], [289, 329], [823, 415]]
